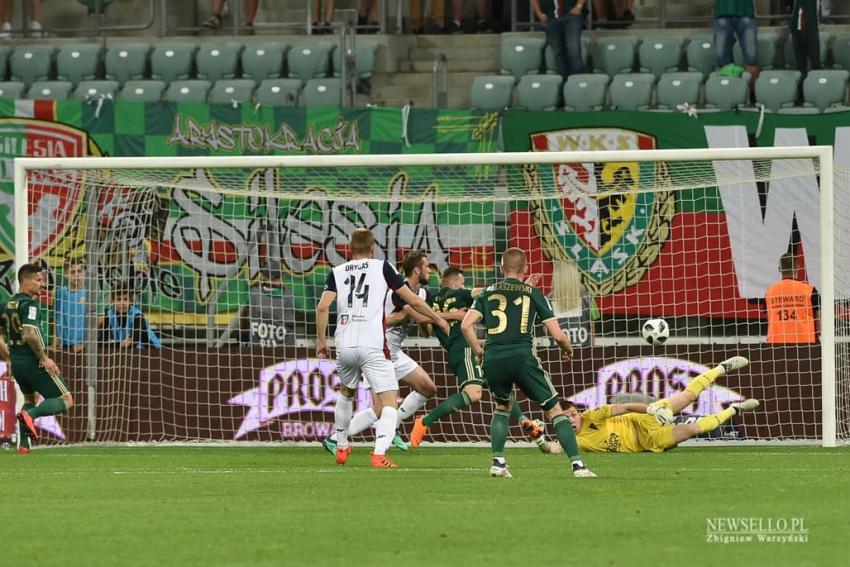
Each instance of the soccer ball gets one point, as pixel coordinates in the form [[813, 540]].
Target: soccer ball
[[655, 331]]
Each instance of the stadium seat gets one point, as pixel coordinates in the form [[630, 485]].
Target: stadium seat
[[187, 91], [585, 92], [675, 89], [798, 110], [659, 55], [825, 43], [364, 60], [539, 92], [632, 91], [232, 91], [521, 56], [491, 92], [12, 89], [777, 89], [278, 92], [143, 91], [325, 92], [172, 61], [769, 53], [700, 55], [841, 52], [261, 61], [825, 89], [31, 63], [614, 55], [78, 62], [88, 90], [549, 56], [307, 62], [216, 62], [49, 90], [725, 93], [126, 62]]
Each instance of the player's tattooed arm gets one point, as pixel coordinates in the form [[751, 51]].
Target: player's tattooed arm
[[32, 338]]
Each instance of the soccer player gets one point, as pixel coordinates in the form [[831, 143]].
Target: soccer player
[[361, 345], [637, 427], [453, 301], [509, 310], [417, 272], [23, 326]]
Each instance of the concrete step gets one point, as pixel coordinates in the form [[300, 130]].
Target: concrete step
[[419, 80], [460, 40], [424, 102], [454, 53], [484, 66]]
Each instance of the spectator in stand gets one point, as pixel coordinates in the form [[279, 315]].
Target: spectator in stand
[[563, 21], [71, 304], [124, 323], [269, 318], [736, 18], [33, 11], [481, 24], [805, 36], [250, 7], [323, 26], [367, 15], [826, 12], [437, 15], [617, 13]]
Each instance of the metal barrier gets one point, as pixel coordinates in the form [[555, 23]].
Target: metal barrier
[[98, 28], [441, 81]]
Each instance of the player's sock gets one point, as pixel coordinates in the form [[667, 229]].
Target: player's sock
[[712, 422], [50, 406], [342, 419], [385, 430], [362, 421], [516, 413], [704, 380], [567, 437], [410, 405], [499, 432], [451, 404]]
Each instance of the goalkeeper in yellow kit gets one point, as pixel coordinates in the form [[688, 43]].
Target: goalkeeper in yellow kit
[[637, 427]]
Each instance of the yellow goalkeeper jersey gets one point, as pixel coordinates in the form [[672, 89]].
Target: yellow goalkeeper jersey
[[602, 433]]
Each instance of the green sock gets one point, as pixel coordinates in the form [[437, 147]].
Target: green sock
[[567, 437], [516, 413], [451, 404], [25, 437], [50, 406], [499, 432]]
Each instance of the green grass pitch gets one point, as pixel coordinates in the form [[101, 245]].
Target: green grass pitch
[[253, 506]]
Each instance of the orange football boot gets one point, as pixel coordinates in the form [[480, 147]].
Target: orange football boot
[[342, 455], [382, 462], [418, 433]]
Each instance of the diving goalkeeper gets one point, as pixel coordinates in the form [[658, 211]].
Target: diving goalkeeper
[[637, 427]]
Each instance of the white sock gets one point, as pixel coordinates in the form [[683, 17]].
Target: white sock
[[342, 419], [362, 421], [410, 406], [385, 430]]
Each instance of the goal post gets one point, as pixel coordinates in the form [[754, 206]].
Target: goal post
[[219, 365]]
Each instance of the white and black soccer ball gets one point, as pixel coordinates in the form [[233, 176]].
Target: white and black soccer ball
[[655, 331]]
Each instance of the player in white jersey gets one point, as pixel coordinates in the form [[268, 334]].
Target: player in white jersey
[[361, 346]]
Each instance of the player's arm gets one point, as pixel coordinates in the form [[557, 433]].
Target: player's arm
[[422, 307], [4, 350], [467, 327], [620, 409], [559, 337], [323, 310]]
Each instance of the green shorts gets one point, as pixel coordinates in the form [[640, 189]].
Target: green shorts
[[526, 372], [32, 378], [465, 366]]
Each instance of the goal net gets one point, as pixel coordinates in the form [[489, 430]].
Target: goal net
[[182, 294]]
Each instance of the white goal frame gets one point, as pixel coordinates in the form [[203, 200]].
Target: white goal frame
[[824, 155]]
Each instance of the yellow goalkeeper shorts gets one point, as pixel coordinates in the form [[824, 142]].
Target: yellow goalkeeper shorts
[[652, 436]]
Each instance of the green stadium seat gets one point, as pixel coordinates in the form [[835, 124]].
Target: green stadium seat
[[31, 63], [777, 89], [278, 92], [521, 56], [585, 92], [307, 62], [539, 92], [676, 89], [825, 43], [700, 55], [261, 61], [142, 91], [614, 55], [491, 92], [232, 91], [841, 52], [549, 56], [50, 90], [364, 60], [172, 61], [187, 91], [325, 92], [825, 89], [632, 91], [88, 90], [725, 93], [12, 89], [659, 55], [216, 62], [126, 62], [78, 62], [769, 52]]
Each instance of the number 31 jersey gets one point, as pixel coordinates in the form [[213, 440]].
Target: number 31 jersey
[[361, 287]]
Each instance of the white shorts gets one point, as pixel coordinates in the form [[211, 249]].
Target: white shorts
[[371, 363], [403, 365]]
